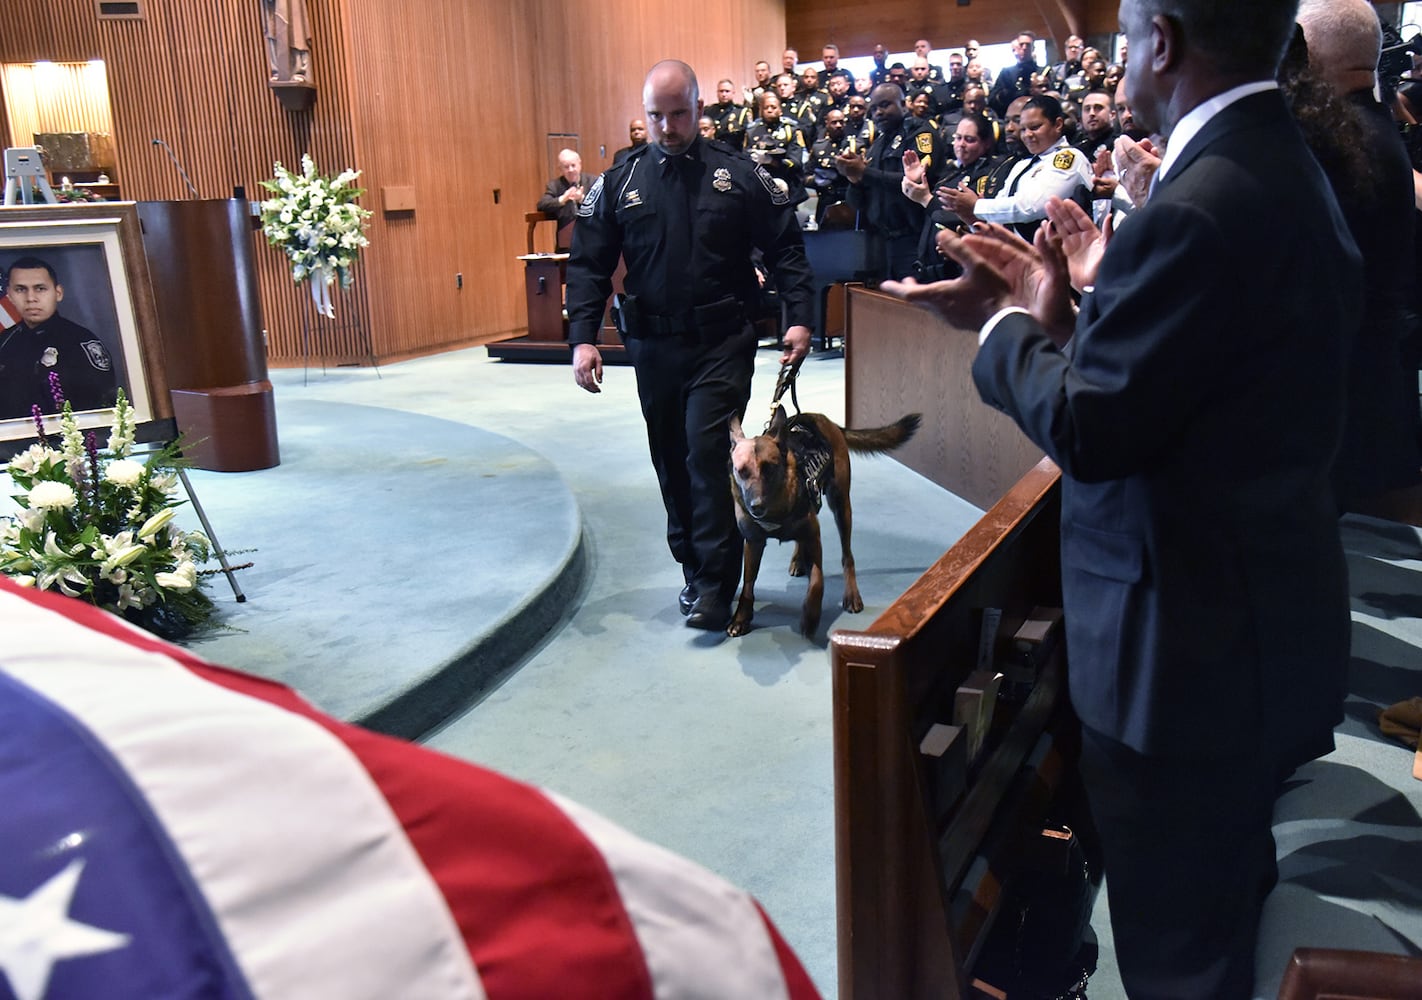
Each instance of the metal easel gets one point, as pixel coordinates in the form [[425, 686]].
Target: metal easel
[[24, 174]]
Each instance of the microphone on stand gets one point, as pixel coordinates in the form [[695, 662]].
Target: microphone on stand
[[173, 156]]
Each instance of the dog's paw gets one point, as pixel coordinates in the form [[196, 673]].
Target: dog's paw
[[852, 602], [738, 626], [796, 569], [809, 623]]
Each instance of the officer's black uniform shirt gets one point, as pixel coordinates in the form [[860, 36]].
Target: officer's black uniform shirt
[[950, 94], [27, 356], [880, 193], [686, 226], [731, 121], [825, 177], [1091, 146], [916, 87]]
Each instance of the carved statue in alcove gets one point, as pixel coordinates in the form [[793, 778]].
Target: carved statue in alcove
[[288, 40]]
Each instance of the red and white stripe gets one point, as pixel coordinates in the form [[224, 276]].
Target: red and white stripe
[[343, 863]]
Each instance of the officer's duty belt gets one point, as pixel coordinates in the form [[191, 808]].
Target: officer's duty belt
[[711, 320]]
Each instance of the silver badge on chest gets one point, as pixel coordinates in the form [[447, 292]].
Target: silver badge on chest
[[721, 179]]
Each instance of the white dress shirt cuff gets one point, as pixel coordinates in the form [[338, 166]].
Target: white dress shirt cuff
[[995, 319]]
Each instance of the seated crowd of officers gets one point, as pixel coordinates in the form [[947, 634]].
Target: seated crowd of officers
[[910, 150]]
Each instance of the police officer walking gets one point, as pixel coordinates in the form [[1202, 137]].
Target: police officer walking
[[685, 214]]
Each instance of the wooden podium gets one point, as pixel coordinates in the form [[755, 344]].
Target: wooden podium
[[544, 275], [205, 286]]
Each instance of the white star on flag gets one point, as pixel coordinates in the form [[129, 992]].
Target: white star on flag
[[36, 932]]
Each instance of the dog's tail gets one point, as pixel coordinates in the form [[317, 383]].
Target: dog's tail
[[882, 439]]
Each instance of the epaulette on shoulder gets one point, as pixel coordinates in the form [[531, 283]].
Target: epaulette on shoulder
[[639, 151], [722, 147]]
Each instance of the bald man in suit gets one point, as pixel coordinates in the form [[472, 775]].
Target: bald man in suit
[[1194, 406]]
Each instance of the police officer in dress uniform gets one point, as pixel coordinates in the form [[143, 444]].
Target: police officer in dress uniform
[[779, 147], [875, 178], [731, 119], [686, 214], [44, 342], [1054, 168], [831, 186]]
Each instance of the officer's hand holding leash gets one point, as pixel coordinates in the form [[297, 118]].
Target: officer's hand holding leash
[[797, 345], [587, 366]]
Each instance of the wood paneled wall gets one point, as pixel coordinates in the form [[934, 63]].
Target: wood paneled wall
[[856, 26], [194, 75], [452, 98]]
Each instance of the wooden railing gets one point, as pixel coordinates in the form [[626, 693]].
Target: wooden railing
[[920, 858]]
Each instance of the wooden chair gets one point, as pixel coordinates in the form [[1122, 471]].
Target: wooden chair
[[533, 219]]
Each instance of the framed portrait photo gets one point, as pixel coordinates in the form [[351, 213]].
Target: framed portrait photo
[[75, 302]]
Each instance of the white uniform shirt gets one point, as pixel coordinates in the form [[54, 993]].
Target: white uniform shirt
[[1056, 172]]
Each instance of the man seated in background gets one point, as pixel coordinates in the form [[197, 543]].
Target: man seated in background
[[564, 194]]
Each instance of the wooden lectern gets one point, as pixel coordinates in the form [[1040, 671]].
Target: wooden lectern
[[205, 285]]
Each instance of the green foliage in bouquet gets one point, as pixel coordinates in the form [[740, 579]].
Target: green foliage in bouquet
[[98, 525]]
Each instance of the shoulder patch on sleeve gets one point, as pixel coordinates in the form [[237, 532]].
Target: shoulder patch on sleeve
[[98, 355], [779, 195], [1064, 159], [589, 202], [925, 142]]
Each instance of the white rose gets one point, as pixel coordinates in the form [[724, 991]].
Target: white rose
[[124, 472], [52, 496]]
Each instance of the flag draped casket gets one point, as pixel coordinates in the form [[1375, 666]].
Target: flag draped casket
[[173, 829]]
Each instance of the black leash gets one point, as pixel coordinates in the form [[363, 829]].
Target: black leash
[[783, 383]]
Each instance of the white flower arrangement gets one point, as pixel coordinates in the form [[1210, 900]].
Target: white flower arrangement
[[317, 224], [98, 525]]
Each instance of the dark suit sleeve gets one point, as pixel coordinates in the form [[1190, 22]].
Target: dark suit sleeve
[[1149, 345], [548, 203]]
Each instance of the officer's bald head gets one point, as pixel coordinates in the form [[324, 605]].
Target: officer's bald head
[[672, 101], [671, 75]]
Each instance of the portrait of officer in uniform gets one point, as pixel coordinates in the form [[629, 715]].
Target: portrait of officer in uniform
[[44, 342], [686, 214]]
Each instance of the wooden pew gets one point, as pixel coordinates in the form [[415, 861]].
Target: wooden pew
[[899, 360], [918, 879]]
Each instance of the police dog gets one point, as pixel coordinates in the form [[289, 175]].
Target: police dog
[[778, 479]]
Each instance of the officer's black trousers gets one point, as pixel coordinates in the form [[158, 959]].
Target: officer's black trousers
[[689, 388], [1189, 854]]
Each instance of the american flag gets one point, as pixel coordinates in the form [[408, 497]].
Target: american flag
[[174, 829], [9, 312]]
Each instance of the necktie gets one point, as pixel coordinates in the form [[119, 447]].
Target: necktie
[[1012, 188], [679, 173]]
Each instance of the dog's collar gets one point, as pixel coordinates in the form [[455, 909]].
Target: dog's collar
[[768, 526]]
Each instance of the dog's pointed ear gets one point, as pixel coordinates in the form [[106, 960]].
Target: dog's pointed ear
[[777, 423], [737, 434]]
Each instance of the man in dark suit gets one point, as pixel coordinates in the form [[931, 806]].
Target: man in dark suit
[[1194, 406], [564, 194]]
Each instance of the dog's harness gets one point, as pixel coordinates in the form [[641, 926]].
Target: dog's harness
[[812, 450]]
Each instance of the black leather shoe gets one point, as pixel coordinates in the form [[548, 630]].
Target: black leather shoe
[[710, 614], [686, 599]]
